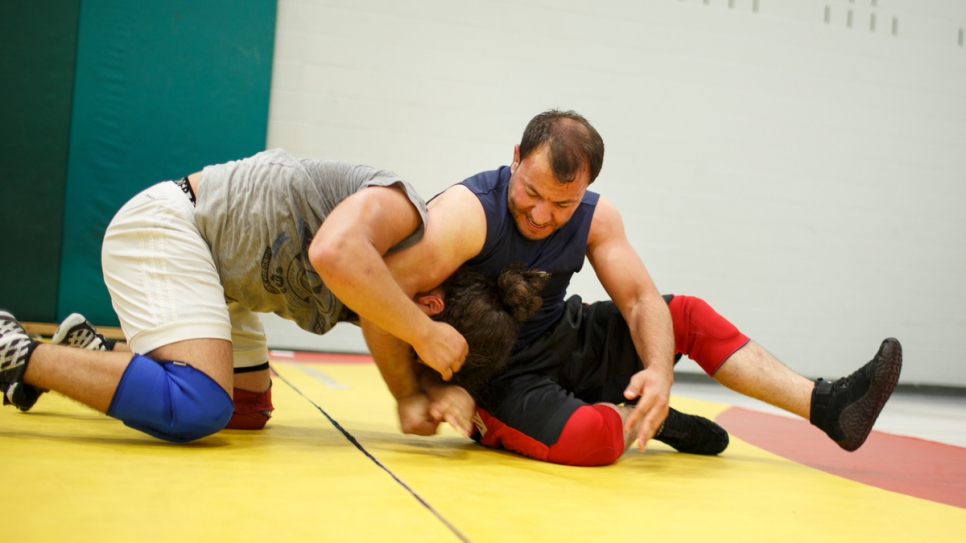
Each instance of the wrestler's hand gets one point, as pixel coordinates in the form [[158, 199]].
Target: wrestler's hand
[[442, 348], [653, 388], [414, 415], [454, 405]]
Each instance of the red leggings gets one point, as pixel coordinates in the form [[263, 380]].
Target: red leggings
[[593, 434]]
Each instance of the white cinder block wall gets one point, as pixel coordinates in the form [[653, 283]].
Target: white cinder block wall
[[800, 164]]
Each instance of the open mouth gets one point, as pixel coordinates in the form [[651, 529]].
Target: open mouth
[[534, 225]]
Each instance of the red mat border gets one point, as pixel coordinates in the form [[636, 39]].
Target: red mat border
[[907, 465]]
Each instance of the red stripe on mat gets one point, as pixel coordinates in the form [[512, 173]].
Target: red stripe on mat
[[924, 469], [332, 358]]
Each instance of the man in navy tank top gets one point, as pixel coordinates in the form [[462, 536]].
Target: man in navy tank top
[[587, 380]]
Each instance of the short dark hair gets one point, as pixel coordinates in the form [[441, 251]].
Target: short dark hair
[[573, 143], [489, 313]]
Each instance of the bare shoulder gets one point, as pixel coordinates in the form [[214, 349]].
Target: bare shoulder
[[457, 217], [455, 232], [458, 198], [606, 224]]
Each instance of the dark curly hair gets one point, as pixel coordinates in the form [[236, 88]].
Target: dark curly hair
[[489, 313]]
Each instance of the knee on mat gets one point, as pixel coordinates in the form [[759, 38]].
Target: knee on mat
[[170, 400], [202, 419], [593, 436]]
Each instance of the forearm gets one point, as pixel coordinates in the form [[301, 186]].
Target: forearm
[[353, 269], [653, 333], [347, 252], [394, 359], [432, 383], [357, 275]]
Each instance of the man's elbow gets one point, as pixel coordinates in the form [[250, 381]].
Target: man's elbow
[[331, 257]]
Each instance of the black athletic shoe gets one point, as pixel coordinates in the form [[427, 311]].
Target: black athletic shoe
[[15, 350], [692, 434], [847, 408]]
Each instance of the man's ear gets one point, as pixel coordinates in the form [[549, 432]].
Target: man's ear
[[431, 304], [516, 158]]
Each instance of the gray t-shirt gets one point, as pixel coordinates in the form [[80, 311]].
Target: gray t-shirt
[[258, 216]]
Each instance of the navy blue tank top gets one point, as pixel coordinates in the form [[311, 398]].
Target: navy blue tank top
[[561, 254]]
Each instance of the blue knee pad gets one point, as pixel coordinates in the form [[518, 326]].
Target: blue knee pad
[[170, 401]]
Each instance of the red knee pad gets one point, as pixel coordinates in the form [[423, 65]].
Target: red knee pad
[[593, 436], [252, 409], [702, 334]]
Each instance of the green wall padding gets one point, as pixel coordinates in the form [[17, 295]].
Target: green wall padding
[[162, 88], [37, 46]]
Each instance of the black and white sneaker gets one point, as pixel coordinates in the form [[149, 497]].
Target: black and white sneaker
[[76, 331], [846, 409], [15, 350], [692, 434]]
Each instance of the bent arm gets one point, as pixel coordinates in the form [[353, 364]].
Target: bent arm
[[455, 231], [347, 253], [626, 280]]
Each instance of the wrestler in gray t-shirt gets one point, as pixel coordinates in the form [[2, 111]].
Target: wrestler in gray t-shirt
[[259, 215]]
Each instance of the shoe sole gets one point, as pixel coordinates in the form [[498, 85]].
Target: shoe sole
[[857, 420]]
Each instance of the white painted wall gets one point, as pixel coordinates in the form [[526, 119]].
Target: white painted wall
[[805, 176]]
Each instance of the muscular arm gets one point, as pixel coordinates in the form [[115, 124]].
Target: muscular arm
[[347, 253], [455, 232], [624, 277]]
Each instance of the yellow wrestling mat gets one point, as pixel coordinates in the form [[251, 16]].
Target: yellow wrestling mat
[[70, 474]]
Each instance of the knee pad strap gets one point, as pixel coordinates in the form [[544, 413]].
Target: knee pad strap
[[170, 400]]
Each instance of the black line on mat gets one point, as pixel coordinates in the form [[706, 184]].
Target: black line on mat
[[362, 449]]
